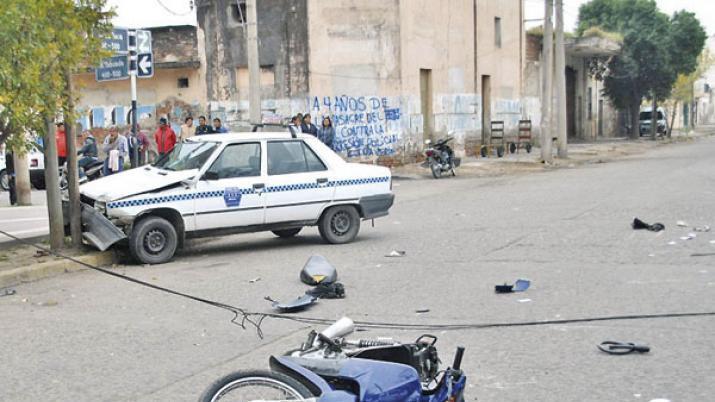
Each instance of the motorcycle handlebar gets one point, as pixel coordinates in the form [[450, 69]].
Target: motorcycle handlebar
[[458, 358]]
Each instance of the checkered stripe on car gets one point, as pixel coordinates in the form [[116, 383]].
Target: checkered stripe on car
[[220, 193]]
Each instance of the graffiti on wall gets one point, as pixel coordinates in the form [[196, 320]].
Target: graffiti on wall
[[364, 125]]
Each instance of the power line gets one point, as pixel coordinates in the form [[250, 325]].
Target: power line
[[191, 9]]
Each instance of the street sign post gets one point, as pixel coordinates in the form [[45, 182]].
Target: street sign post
[[143, 41], [112, 69], [145, 66], [118, 42]]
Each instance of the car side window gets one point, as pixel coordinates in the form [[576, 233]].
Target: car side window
[[238, 160], [287, 157]]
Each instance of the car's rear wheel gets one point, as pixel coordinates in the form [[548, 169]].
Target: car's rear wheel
[[4, 180], [339, 224], [286, 233], [153, 240]]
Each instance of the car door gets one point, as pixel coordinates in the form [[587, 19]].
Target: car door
[[230, 192], [298, 184]]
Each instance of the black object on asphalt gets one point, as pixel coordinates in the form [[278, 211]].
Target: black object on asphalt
[[318, 270], [639, 224], [334, 290], [7, 292], [622, 348], [298, 304], [519, 286]]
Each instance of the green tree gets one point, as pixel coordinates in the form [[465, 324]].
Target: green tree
[[656, 48], [42, 40]]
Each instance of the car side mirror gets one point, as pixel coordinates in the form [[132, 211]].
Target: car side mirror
[[210, 176]]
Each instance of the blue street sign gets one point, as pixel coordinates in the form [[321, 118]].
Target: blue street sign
[[118, 41], [145, 66], [113, 68]]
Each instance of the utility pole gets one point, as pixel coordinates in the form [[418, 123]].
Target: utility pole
[[132, 35], [560, 72], [254, 77], [547, 78], [75, 208]]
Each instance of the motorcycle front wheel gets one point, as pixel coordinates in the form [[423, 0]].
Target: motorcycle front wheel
[[256, 385], [436, 170]]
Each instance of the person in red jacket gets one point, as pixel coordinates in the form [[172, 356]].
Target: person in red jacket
[[165, 138], [61, 138]]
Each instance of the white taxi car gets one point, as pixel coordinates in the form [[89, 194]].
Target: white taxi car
[[232, 183]]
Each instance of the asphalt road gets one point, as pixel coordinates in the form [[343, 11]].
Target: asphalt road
[[26, 222], [87, 336]]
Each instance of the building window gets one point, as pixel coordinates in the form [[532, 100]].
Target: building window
[[590, 104], [183, 82], [238, 11], [497, 32]]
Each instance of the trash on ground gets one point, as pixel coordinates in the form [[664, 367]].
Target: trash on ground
[[682, 224], [524, 300], [672, 243], [690, 236], [334, 290], [318, 270], [519, 286], [622, 348], [422, 310], [712, 241], [41, 253], [639, 224], [254, 280], [702, 254], [704, 228], [7, 292], [299, 303], [396, 253]]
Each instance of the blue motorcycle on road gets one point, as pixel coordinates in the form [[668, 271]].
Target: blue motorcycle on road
[[330, 368]]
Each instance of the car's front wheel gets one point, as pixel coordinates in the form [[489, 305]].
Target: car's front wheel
[[153, 240], [339, 224], [286, 233]]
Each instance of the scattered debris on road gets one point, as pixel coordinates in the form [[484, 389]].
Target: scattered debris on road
[[704, 228], [299, 303], [672, 243], [622, 348], [396, 253], [422, 310], [7, 292], [690, 236], [254, 280], [519, 286], [334, 290], [682, 224], [318, 270], [639, 224], [524, 300]]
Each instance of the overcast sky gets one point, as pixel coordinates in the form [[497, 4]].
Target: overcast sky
[[151, 13]]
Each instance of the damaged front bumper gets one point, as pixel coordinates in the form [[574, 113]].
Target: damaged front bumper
[[375, 206], [97, 230]]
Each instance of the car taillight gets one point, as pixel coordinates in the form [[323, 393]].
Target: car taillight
[[429, 152], [33, 163]]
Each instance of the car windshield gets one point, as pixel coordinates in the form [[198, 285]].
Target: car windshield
[[648, 116], [187, 156]]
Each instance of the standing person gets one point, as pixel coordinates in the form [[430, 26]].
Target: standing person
[[142, 146], [61, 138], [308, 127], [218, 128], [10, 171], [116, 148], [187, 129], [203, 128], [165, 138], [294, 126], [326, 134]]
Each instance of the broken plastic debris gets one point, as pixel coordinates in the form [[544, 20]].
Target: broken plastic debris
[[672, 243], [524, 300], [254, 280], [334, 290], [422, 310], [704, 228], [519, 286], [396, 253], [318, 270], [7, 292], [299, 303], [690, 236], [639, 224], [682, 224], [712, 241]]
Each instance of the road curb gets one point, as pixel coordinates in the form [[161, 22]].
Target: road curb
[[48, 269]]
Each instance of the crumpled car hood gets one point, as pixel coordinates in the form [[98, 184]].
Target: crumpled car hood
[[132, 182]]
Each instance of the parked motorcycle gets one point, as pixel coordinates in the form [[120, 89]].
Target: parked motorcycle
[[440, 157], [330, 368], [91, 171]]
